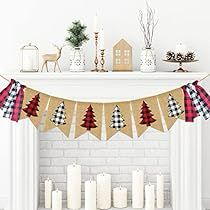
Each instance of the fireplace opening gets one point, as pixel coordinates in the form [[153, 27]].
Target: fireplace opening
[[119, 157]]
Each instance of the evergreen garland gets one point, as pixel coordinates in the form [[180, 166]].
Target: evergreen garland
[[77, 36]]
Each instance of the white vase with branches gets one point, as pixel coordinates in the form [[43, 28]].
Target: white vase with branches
[[147, 24]]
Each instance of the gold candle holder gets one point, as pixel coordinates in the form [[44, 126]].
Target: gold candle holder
[[96, 52], [102, 61]]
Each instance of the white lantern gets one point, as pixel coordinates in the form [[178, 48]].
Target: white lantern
[[29, 58]]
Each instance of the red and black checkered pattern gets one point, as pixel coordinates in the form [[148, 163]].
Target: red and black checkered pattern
[[18, 104], [190, 112], [89, 121], [32, 106], [5, 93], [146, 115], [203, 94]]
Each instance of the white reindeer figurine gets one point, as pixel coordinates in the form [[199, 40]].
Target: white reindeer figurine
[[52, 58]]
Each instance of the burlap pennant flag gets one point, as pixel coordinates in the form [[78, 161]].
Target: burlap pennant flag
[[118, 118], [146, 114], [172, 106], [59, 114], [34, 104], [89, 118]]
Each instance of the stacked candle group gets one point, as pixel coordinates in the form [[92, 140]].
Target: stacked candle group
[[98, 194]]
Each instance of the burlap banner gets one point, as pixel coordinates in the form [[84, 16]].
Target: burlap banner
[[34, 104], [59, 114], [88, 118], [146, 113], [118, 118], [172, 106]]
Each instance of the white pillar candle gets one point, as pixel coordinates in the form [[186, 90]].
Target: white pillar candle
[[149, 197], [90, 195], [101, 35], [138, 189], [57, 200], [48, 193], [104, 191], [120, 197], [74, 186], [96, 28], [181, 48], [160, 191]]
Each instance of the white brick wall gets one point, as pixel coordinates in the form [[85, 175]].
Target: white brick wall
[[118, 157]]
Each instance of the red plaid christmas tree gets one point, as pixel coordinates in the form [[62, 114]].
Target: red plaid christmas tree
[[146, 115], [32, 106], [89, 121]]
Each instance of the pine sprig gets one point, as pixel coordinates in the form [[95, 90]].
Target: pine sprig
[[77, 36]]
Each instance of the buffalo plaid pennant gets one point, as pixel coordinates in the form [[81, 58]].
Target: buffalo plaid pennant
[[10, 100], [59, 115], [174, 108], [5, 92], [18, 104], [190, 113], [202, 93], [117, 119], [200, 107]]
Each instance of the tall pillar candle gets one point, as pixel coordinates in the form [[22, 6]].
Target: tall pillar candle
[[149, 197], [48, 193], [74, 186], [160, 191], [120, 197], [57, 200], [90, 195], [104, 191], [138, 189]]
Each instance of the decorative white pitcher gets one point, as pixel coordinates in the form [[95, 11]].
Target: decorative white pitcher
[[148, 60], [77, 60]]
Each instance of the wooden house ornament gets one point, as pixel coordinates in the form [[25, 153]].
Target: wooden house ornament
[[122, 56]]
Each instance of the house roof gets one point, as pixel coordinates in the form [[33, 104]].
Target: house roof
[[122, 42]]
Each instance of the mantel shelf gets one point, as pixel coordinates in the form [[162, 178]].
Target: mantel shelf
[[107, 76], [128, 208]]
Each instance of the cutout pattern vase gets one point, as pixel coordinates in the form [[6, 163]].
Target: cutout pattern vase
[[148, 60], [77, 60]]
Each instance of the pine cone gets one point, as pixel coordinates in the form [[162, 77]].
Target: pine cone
[[190, 56], [170, 55], [179, 57]]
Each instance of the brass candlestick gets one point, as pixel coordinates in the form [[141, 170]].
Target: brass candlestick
[[96, 52], [102, 61]]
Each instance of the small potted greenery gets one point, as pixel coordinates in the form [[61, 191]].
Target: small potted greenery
[[76, 39]]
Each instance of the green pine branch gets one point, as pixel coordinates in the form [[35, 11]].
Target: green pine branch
[[77, 36]]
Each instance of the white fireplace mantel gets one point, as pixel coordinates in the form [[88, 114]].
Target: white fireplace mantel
[[185, 138]]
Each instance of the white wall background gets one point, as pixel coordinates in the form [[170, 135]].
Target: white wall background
[[45, 21]]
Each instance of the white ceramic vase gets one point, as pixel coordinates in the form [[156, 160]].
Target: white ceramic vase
[[77, 60], [148, 60]]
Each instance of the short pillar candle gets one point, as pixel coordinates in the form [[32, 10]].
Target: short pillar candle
[[120, 197], [57, 200]]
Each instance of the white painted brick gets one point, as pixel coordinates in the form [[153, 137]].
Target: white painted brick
[[61, 186], [156, 136], [157, 153], [121, 178], [91, 161], [119, 144], [157, 170], [76, 153], [107, 169], [104, 153], [164, 144], [92, 144], [62, 161], [55, 177], [50, 136], [119, 161], [145, 144], [132, 153], [45, 145], [51, 153], [68, 144], [129, 169], [163, 161], [44, 161], [51, 170], [145, 161]]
